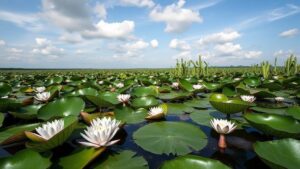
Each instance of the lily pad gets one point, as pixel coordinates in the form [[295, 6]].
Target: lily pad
[[28, 112], [125, 160], [202, 117], [279, 153], [25, 159], [130, 116], [67, 106], [193, 162], [144, 102], [178, 108], [281, 111], [174, 95], [274, 124], [170, 138], [80, 158], [16, 133], [224, 105], [69, 125], [5, 89], [186, 85], [294, 111], [1, 118], [252, 82], [198, 103], [145, 91]]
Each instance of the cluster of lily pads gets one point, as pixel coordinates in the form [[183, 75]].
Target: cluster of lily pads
[[83, 120]]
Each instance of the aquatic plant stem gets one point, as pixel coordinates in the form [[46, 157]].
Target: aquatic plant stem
[[222, 141]]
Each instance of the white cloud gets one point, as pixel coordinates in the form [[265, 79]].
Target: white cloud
[[30, 22], [71, 15], [130, 49], [270, 16], [177, 18], [42, 42], [154, 43], [2, 43], [183, 48], [79, 51], [117, 30], [220, 37], [15, 50], [183, 55], [71, 38], [289, 33], [45, 47], [228, 48], [138, 3], [100, 11], [179, 44], [282, 12], [252, 54], [235, 51], [283, 53]]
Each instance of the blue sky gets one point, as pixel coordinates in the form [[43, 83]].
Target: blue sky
[[146, 33]]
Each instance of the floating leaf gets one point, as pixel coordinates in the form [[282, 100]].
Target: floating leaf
[[16, 133], [80, 158], [58, 139], [279, 153], [144, 91], [25, 159], [186, 85], [224, 105], [125, 160], [178, 108], [193, 162], [174, 95], [144, 102], [67, 106], [170, 138], [294, 111], [1, 118], [202, 117], [130, 116], [28, 112], [274, 124], [269, 110], [5, 89]]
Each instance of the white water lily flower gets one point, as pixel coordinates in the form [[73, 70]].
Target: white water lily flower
[[155, 111], [279, 99], [100, 82], [42, 96], [50, 129], [124, 98], [249, 99], [39, 89], [237, 79], [175, 85], [197, 86], [101, 132], [119, 85], [222, 126]]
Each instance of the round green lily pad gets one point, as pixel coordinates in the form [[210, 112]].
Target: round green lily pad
[[193, 162], [279, 153], [67, 106], [25, 159], [170, 138], [274, 124]]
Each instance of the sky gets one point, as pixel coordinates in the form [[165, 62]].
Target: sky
[[146, 33]]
